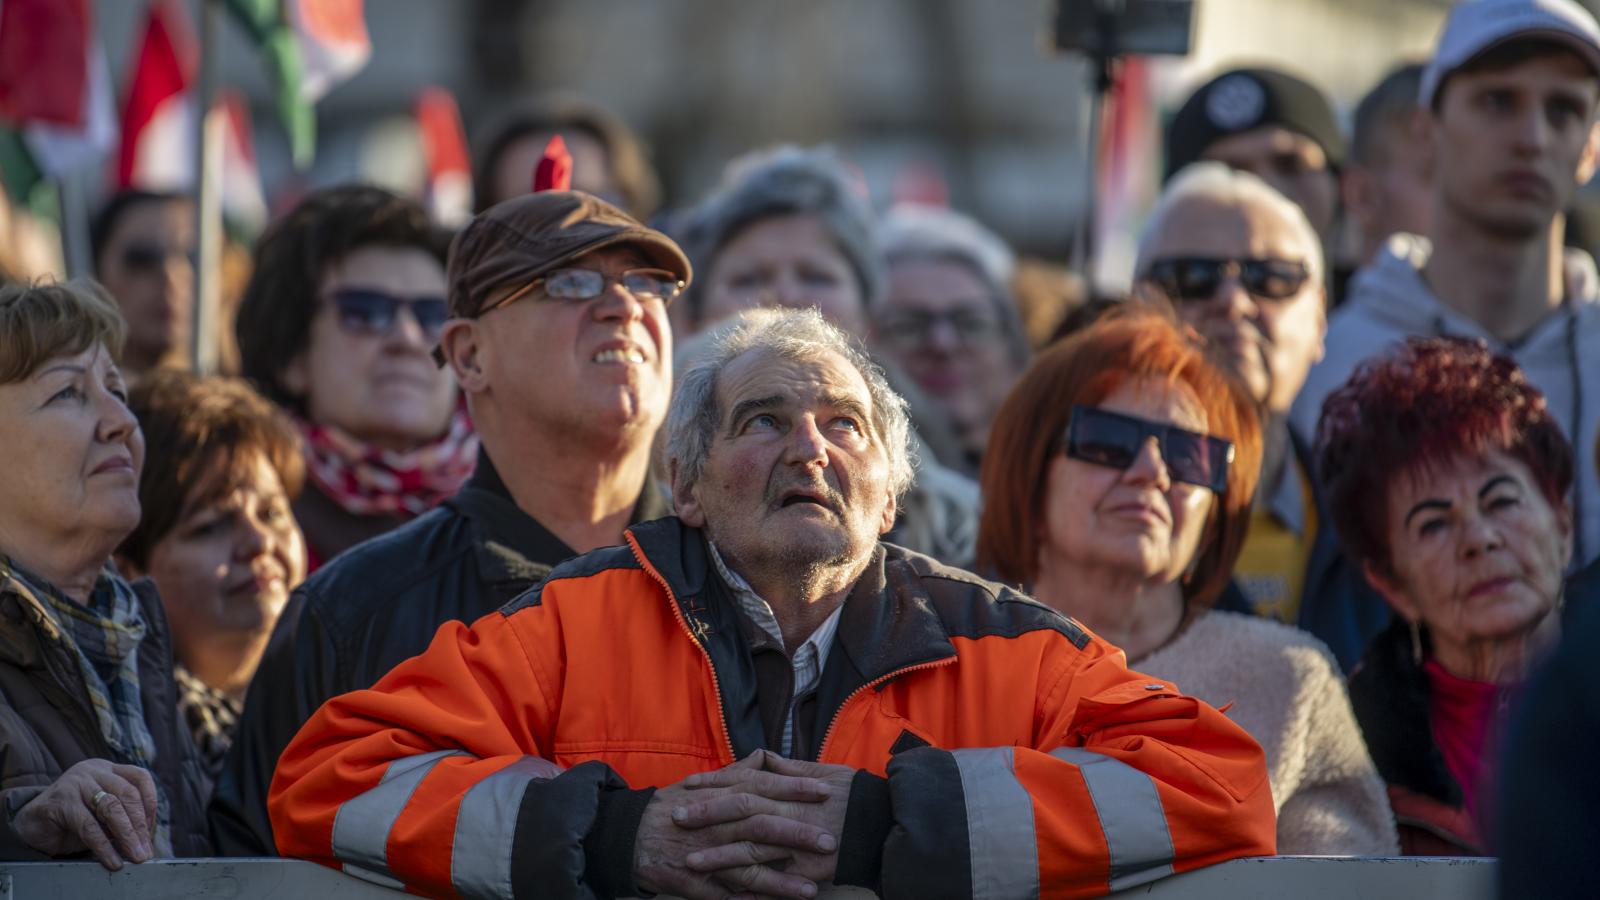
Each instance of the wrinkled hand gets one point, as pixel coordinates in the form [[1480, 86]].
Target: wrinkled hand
[[66, 819], [666, 841], [729, 861]]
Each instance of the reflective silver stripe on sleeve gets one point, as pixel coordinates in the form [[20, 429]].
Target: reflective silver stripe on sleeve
[[361, 826], [1004, 848], [1137, 838], [486, 825]]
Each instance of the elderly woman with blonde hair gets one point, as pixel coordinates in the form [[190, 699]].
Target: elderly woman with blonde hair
[[93, 756]]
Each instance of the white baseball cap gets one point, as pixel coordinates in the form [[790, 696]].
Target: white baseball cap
[[1477, 25]]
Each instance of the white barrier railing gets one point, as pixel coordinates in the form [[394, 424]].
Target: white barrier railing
[[1271, 878]]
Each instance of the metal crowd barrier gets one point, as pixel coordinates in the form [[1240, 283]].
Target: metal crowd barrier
[[1270, 878]]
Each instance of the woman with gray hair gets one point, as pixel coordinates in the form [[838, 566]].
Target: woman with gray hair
[[788, 228], [948, 319], [784, 228]]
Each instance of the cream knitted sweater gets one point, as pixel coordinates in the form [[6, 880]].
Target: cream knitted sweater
[[1287, 693]]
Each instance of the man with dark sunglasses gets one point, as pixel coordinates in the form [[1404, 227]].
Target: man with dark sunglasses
[[1241, 264], [555, 327], [142, 244], [1508, 102]]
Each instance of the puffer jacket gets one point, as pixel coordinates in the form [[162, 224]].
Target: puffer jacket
[[376, 605], [47, 724], [1004, 750]]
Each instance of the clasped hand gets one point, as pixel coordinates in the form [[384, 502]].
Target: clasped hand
[[764, 826]]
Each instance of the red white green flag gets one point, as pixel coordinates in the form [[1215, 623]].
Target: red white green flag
[[157, 115], [158, 122], [447, 194], [54, 88], [310, 46]]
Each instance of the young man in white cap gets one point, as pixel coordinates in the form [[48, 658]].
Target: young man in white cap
[[1510, 98]]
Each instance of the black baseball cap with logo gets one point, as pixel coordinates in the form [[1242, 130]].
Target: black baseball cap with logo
[[1245, 99]]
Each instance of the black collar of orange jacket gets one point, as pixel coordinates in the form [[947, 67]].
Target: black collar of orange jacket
[[888, 624]]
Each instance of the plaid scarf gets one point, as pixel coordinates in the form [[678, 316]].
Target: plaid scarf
[[211, 715], [365, 480], [104, 637]]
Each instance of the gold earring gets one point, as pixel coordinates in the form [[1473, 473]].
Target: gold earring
[[1416, 643]]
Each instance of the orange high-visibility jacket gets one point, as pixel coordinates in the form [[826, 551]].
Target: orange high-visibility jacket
[[1006, 751]]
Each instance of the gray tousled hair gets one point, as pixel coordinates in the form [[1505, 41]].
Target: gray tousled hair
[[783, 181], [908, 233], [694, 417]]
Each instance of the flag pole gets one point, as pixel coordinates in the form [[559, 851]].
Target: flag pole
[[75, 249], [208, 201]]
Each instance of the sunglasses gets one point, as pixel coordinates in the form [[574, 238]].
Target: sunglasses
[[146, 259], [1114, 440], [1196, 279], [587, 284], [367, 312]]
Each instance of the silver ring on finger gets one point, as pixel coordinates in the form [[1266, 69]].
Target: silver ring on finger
[[99, 798]]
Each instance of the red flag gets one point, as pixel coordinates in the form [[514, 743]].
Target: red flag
[[448, 192], [243, 201], [157, 148], [554, 171], [44, 61]]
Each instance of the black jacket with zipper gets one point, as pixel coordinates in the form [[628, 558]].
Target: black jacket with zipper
[[375, 606]]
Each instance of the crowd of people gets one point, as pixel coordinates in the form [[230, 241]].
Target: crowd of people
[[768, 543]]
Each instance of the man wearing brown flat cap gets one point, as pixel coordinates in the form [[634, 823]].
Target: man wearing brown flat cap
[[559, 339]]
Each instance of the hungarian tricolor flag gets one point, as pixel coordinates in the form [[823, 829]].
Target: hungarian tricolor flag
[[55, 92], [157, 125], [448, 191], [158, 122], [310, 47], [244, 204]]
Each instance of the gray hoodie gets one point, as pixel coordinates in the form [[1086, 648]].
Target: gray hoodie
[[1388, 302]]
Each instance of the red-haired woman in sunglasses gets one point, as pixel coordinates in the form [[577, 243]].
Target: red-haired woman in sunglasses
[[1117, 488]]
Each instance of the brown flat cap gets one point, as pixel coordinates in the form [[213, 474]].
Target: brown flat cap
[[514, 242]]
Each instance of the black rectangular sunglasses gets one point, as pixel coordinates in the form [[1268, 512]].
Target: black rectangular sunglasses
[[1197, 278], [1113, 440]]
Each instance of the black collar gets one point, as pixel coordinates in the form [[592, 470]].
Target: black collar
[[513, 547], [888, 623]]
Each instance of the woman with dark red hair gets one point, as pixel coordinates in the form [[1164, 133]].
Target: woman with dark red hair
[[1117, 485], [1447, 480]]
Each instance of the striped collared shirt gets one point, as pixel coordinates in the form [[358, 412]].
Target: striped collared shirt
[[807, 660]]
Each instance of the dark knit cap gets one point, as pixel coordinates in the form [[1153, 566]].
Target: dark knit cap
[[1243, 99]]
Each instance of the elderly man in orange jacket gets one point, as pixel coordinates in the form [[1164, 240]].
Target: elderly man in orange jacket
[[897, 724]]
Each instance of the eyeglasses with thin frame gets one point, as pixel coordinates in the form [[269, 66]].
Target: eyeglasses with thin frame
[[1197, 279], [910, 328], [1114, 440], [579, 284], [368, 312]]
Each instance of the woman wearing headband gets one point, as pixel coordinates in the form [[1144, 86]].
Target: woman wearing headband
[[1117, 489]]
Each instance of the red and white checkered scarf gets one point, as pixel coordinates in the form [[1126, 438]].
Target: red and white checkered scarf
[[367, 480]]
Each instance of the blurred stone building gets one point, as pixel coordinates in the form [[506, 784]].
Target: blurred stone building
[[964, 85]]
